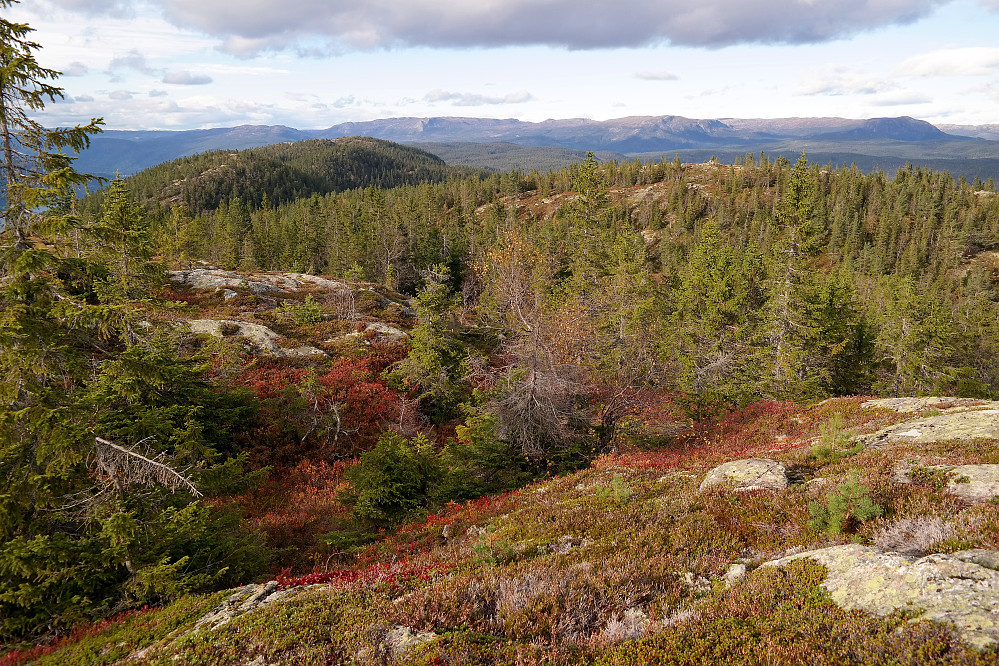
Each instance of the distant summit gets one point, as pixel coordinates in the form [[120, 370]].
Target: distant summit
[[896, 129]]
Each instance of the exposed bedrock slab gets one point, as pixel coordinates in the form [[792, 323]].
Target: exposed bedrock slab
[[960, 589], [965, 425], [748, 474], [261, 337]]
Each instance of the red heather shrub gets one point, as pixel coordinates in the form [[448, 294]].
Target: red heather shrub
[[758, 427], [757, 424], [423, 536], [334, 414], [184, 295], [294, 507], [393, 575]]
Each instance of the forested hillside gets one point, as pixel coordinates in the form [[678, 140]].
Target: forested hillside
[[758, 279], [495, 418], [284, 172]]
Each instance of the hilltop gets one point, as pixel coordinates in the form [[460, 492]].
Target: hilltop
[[284, 172], [334, 401]]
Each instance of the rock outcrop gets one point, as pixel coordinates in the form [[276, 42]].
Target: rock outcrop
[[277, 284], [379, 332], [242, 600], [263, 339], [967, 423], [960, 589], [749, 474], [911, 405], [974, 483]]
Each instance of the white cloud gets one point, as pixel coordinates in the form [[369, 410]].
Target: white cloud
[[131, 60], [186, 79], [75, 68], [158, 93], [656, 76], [902, 98], [277, 24], [839, 81], [967, 61], [120, 95], [472, 99]]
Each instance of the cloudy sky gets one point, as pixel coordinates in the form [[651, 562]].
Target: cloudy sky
[[184, 64]]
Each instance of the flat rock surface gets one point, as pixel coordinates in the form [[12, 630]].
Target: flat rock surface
[[261, 337], [975, 483], [955, 589], [969, 424], [258, 283], [911, 405], [381, 332], [748, 474]]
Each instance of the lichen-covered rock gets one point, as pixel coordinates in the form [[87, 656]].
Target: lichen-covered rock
[[911, 404], [954, 589], [262, 338], [378, 332], [734, 573], [242, 600], [963, 425], [400, 640], [212, 278], [257, 283], [748, 474], [974, 483]]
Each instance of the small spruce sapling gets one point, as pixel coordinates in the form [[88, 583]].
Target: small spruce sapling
[[833, 441], [847, 506], [619, 491]]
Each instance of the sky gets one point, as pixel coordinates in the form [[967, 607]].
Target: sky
[[190, 64]]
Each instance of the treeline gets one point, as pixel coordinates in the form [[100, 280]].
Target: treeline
[[762, 278]]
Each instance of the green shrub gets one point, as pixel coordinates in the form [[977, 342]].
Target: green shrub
[[846, 507], [833, 442], [308, 312], [619, 491], [395, 481]]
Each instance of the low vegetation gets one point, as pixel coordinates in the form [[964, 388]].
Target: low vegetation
[[482, 438]]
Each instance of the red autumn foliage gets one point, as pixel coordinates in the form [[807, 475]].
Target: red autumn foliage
[[17, 657], [294, 507], [329, 413], [392, 575], [758, 427]]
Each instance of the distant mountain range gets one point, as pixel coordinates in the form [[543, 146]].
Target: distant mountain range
[[877, 143]]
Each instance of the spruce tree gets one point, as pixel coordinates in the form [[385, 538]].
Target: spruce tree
[[100, 426]]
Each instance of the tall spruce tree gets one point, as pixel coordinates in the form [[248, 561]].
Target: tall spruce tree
[[93, 515], [791, 332]]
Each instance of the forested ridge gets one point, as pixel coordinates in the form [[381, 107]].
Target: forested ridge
[[283, 172], [474, 334]]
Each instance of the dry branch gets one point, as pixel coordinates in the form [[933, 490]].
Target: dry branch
[[126, 466]]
